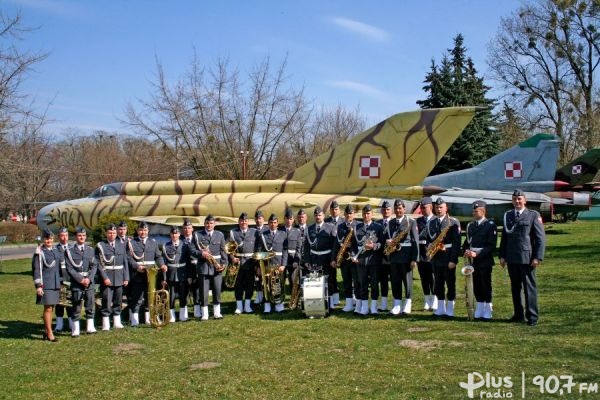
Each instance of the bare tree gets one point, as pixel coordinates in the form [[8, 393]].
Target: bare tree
[[207, 118], [545, 55]]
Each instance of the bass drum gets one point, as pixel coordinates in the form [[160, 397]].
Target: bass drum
[[315, 298]]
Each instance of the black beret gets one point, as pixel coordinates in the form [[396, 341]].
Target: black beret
[[385, 204], [258, 214], [80, 229], [318, 210], [479, 203], [349, 209], [175, 229], [110, 227], [142, 225], [47, 234], [426, 200], [122, 224], [209, 218], [289, 213], [398, 202], [367, 208], [301, 211], [518, 192], [187, 222], [272, 217], [439, 201], [243, 215], [334, 204], [62, 229]]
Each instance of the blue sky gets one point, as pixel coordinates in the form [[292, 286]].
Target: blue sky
[[371, 54]]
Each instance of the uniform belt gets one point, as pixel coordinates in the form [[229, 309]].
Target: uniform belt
[[176, 265], [244, 254], [422, 241], [405, 244], [113, 267], [278, 253], [84, 273], [448, 246], [292, 252], [320, 253], [146, 262], [477, 249]]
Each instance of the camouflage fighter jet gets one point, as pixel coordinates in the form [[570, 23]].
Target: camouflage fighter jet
[[388, 160], [580, 173]]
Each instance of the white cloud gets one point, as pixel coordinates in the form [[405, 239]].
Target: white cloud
[[358, 87], [369, 31]]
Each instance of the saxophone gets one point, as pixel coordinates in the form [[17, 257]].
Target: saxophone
[[344, 248], [158, 300], [399, 236], [233, 268], [211, 259], [438, 243], [295, 295]]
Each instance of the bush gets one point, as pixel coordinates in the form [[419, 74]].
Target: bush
[[97, 234], [17, 232]]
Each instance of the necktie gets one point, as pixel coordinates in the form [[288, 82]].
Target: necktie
[[318, 228], [112, 244], [81, 248], [518, 213]]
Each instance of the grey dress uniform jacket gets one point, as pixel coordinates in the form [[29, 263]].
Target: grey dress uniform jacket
[[274, 241], [215, 243], [523, 238], [175, 259], [246, 246], [80, 265], [482, 239], [408, 249], [143, 254], [451, 240], [294, 244], [363, 231], [112, 262], [319, 246], [45, 266], [422, 227]]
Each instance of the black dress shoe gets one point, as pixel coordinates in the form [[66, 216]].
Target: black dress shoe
[[54, 339], [514, 318], [532, 323]]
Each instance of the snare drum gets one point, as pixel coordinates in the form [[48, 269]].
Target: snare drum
[[315, 298]]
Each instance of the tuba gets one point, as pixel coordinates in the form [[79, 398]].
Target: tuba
[[158, 300], [272, 280], [233, 268], [467, 271]]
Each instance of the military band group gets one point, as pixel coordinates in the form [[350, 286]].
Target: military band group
[[370, 255]]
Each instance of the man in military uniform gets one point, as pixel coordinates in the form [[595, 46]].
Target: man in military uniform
[[403, 231], [294, 244], [345, 231], [211, 264], [259, 219], [122, 232], [174, 255], [301, 219], [113, 268], [445, 231], [522, 247], [245, 238], [143, 253], [335, 219], [319, 243], [81, 266], [367, 250], [383, 274], [479, 246], [192, 253], [425, 266], [274, 240], [62, 245]]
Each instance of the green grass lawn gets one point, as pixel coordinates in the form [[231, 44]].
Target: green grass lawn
[[340, 357]]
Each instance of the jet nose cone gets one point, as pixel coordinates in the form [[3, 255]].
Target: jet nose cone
[[44, 218]]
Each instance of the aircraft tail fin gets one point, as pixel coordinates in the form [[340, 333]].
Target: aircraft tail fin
[[400, 151], [532, 160], [582, 170]]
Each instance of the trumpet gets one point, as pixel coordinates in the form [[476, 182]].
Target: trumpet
[[233, 268], [369, 238]]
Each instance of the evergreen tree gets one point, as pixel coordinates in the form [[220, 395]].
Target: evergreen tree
[[456, 83]]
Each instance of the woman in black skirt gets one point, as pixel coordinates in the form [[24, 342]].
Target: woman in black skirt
[[47, 280]]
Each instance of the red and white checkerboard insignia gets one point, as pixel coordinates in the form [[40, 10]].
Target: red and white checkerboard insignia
[[370, 167], [513, 170], [576, 170]]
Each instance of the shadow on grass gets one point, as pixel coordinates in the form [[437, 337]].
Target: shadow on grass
[[26, 273], [574, 251], [21, 330], [557, 232]]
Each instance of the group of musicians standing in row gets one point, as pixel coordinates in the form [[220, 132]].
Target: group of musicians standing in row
[[370, 254]]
